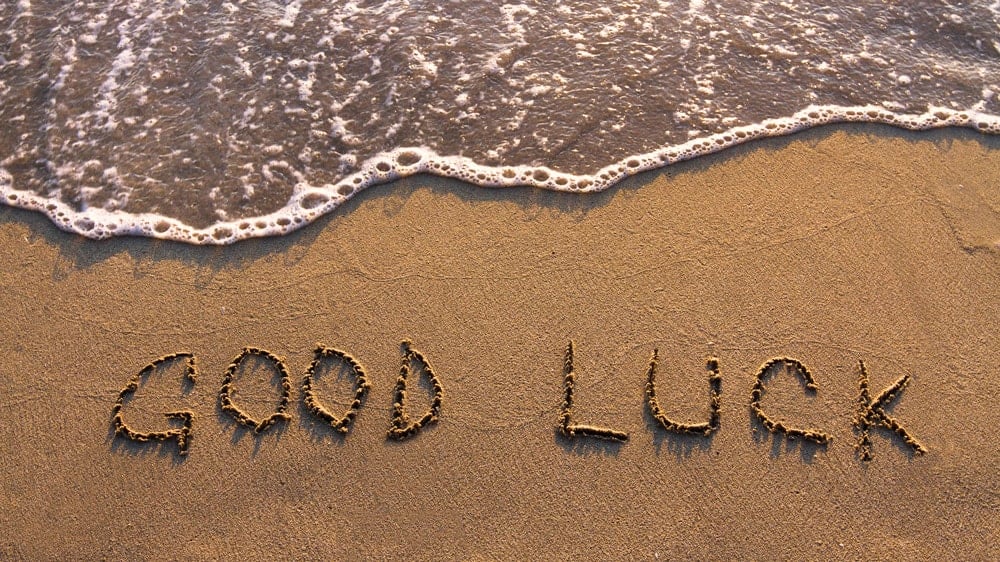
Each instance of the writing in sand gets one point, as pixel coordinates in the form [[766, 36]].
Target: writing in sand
[[870, 411]]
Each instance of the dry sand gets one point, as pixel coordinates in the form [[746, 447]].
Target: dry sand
[[835, 245]]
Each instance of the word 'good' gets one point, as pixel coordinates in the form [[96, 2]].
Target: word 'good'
[[871, 412]]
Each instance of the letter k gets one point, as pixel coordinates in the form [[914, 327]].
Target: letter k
[[872, 413]]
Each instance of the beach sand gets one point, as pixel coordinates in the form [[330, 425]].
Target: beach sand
[[834, 245]]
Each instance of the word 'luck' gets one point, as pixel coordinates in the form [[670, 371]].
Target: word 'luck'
[[870, 413]]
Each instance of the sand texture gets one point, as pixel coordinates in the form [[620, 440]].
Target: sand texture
[[837, 245]]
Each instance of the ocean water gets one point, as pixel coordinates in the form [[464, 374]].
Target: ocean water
[[210, 122]]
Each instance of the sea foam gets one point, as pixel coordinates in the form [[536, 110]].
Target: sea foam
[[212, 123]]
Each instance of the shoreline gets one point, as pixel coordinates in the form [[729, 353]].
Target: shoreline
[[830, 246], [309, 203]]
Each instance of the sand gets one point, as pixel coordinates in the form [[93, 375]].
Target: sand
[[833, 246]]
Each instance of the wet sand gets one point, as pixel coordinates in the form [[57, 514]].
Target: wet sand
[[833, 246]]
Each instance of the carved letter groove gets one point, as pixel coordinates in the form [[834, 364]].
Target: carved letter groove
[[401, 427], [566, 425], [814, 435], [714, 405], [226, 398], [872, 413], [182, 434], [361, 386]]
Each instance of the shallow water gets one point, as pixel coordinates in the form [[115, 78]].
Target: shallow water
[[210, 122]]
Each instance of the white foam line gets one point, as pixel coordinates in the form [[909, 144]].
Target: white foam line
[[310, 202]]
